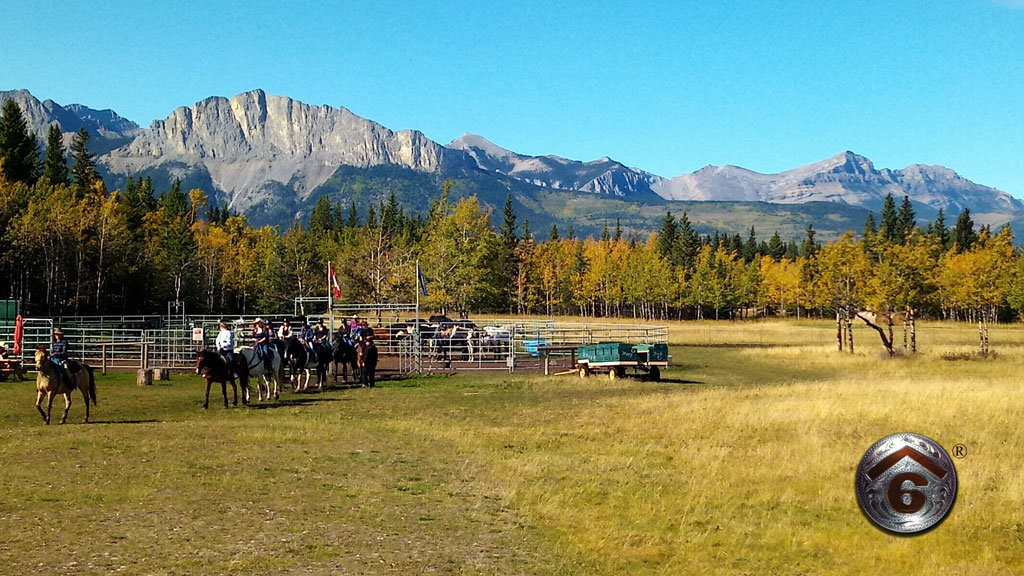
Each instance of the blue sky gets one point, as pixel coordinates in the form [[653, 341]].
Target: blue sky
[[665, 86]]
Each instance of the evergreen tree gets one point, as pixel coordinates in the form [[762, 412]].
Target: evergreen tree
[[174, 204], [553, 234], [939, 232], [507, 233], [321, 218], [907, 220], [391, 214], [689, 243], [571, 234], [776, 247], [890, 227], [618, 230], [870, 228], [605, 235], [371, 217], [792, 250], [750, 247], [508, 261], [527, 233], [870, 234], [18, 146], [809, 247], [83, 165], [353, 216], [964, 236], [55, 166], [736, 246], [667, 237]]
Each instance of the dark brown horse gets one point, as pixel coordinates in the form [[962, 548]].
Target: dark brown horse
[[345, 357], [366, 360], [214, 368]]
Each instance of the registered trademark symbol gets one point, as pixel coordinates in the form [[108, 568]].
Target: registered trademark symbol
[[959, 451]]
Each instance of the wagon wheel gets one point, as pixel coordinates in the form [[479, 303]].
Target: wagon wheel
[[655, 373], [584, 371], [616, 372]]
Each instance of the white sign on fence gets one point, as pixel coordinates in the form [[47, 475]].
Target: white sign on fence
[[197, 334]]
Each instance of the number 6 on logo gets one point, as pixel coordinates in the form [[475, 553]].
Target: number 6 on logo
[[892, 463]]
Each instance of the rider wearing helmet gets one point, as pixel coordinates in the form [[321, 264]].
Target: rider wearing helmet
[[321, 334], [285, 331], [306, 336]]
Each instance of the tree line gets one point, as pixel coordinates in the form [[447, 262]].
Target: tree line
[[70, 246]]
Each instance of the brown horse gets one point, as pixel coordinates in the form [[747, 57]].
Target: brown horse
[[50, 382], [214, 368]]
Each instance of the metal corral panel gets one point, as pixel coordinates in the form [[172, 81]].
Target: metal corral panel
[[653, 352], [607, 352]]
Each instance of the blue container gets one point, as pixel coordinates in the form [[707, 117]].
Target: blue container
[[531, 347]]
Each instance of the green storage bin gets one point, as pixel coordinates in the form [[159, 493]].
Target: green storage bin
[[654, 352], [607, 352]]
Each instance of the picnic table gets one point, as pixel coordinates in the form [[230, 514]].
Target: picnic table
[[545, 352], [11, 367]]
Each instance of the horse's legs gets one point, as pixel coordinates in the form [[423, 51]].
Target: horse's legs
[[233, 389], [39, 405], [206, 404], [224, 390], [85, 397], [49, 405], [67, 407]]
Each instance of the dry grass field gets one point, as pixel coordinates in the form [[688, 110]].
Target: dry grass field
[[742, 462]]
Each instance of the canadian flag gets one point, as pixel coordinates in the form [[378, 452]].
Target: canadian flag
[[333, 278]]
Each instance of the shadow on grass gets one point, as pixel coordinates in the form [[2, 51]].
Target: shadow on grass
[[679, 381], [287, 402], [150, 421]]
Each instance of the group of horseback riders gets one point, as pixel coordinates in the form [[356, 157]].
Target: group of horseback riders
[[315, 337]]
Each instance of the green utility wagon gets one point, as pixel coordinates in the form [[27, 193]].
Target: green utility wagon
[[616, 357]]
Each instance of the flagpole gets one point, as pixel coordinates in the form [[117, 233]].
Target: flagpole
[[330, 301], [416, 338]]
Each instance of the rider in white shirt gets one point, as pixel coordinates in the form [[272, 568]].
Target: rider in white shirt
[[226, 343], [285, 331]]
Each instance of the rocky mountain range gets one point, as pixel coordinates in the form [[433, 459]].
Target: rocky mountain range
[[107, 129], [270, 157]]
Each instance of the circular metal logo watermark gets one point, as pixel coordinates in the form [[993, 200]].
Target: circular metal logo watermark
[[906, 483]]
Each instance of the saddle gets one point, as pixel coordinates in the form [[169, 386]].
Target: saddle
[[65, 372]]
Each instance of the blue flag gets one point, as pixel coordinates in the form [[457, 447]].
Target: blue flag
[[423, 281]]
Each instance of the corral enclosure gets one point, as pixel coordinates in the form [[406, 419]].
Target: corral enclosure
[[130, 342]]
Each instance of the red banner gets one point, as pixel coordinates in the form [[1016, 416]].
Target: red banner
[[19, 334], [334, 281]]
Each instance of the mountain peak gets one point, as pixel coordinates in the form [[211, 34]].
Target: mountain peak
[[469, 141]]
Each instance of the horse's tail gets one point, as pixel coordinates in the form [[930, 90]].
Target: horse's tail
[[92, 385]]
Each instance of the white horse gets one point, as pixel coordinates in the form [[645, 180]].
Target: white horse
[[258, 370]]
